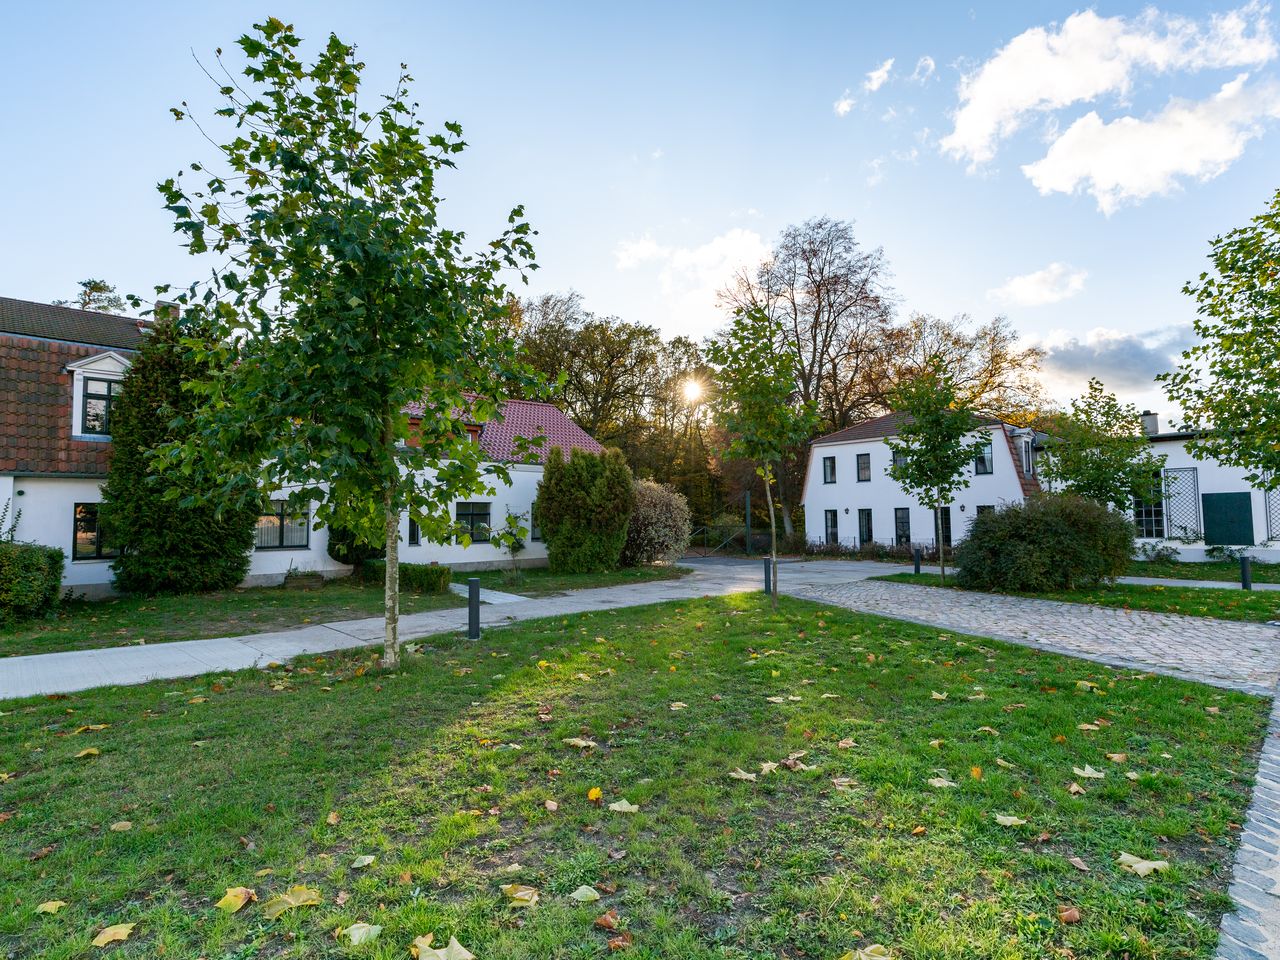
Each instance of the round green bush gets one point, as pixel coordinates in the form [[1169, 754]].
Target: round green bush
[[658, 530], [30, 580], [1049, 542]]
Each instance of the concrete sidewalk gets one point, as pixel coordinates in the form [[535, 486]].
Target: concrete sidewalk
[[84, 669]]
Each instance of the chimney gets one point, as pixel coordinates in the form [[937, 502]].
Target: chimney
[[1150, 423]]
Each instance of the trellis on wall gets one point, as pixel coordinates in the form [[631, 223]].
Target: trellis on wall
[[1182, 503], [1273, 514]]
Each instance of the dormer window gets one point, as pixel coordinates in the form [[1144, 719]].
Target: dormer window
[[99, 397]]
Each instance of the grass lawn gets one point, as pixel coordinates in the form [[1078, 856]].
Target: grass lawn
[[541, 582], [444, 772], [89, 624], [1258, 606], [1210, 570]]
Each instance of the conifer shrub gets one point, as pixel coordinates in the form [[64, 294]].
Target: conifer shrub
[[584, 504]]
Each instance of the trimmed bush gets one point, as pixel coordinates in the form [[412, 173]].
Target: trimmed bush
[[1050, 542], [30, 580], [165, 546], [584, 504], [658, 530], [414, 577], [346, 548]]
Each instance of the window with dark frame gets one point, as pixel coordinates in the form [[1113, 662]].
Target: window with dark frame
[[946, 525], [899, 458], [96, 403], [282, 528], [1148, 516], [864, 467], [902, 526], [535, 531], [865, 535], [86, 539], [828, 469], [473, 518], [415, 535], [832, 518], [984, 462], [985, 508]]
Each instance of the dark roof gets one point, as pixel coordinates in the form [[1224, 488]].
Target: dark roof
[[884, 426], [528, 419], [35, 411], [26, 319]]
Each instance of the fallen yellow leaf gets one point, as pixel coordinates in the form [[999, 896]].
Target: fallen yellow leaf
[[91, 752], [623, 806], [359, 933], [298, 896], [111, 934], [51, 906], [235, 898], [1139, 866], [519, 894], [421, 949]]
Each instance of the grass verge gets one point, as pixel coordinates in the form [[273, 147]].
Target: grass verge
[[1258, 607], [447, 770], [1214, 570], [541, 582]]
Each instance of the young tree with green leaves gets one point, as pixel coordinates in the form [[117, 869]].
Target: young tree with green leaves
[[755, 403], [1100, 451], [166, 545], [354, 338], [934, 443], [1228, 385]]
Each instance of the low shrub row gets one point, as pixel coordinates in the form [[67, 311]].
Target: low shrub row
[[30, 580], [414, 577]]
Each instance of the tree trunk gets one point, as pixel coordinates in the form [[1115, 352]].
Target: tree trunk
[[942, 550], [788, 528], [773, 538], [391, 652]]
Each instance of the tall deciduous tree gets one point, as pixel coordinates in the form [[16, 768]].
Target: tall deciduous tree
[[754, 403], [97, 295], [342, 305], [1100, 451], [1228, 384], [166, 545], [935, 441]]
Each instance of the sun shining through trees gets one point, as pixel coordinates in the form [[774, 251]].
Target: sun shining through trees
[[693, 391]]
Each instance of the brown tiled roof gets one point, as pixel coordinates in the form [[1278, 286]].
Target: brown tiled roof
[[35, 410], [529, 419], [885, 426], [43, 320]]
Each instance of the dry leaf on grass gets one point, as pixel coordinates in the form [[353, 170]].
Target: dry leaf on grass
[[1005, 821], [1068, 914], [607, 920], [1139, 866], [580, 743], [874, 952], [1075, 789], [941, 782], [1078, 864], [1006, 764], [422, 949], [935, 695], [623, 806], [551, 805], [118, 932], [737, 773], [359, 863], [235, 898], [678, 705], [1117, 757], [292, 898], [91, 752], [846, 744], [333, 818], [585, 894], [519, 894], [768, 766], [51, 906], [121, 826], [1088, 772], [359, 933]]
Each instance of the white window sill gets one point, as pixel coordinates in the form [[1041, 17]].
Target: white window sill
[[92, 437]]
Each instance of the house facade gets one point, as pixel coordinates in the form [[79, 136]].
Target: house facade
[[851, 501], [60, 372]]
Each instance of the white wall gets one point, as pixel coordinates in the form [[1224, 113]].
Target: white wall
[[882, 494]]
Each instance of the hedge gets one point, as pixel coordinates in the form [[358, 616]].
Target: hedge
[[30, 580], [414, 577], [1050, 542], [583, 505]]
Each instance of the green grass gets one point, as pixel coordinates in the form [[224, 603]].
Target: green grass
[[442, 771], [541, 582], [91, 624], [1228, 570], [1259, 606]]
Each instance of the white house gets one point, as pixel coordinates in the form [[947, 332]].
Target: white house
[[851, 500], [60, 372]]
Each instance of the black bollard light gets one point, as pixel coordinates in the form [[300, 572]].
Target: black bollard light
[[473, 608], [1246, 573], [916, 555], [768, 577]]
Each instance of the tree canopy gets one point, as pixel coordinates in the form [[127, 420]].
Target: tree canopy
[[97, 295]]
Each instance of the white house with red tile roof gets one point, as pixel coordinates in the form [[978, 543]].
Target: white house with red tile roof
[[60, 369]]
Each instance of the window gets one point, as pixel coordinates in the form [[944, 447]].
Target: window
[[281, 528], [902, 526], [473, 519], [832, 518], [86, 541], [415, 535], [95, 412], [828, 469], [946, 526], [985, 508], [864, 467], [1028, 460], [535, 531], [1148, 515], [984, 461], [899, 458], [864, 526]]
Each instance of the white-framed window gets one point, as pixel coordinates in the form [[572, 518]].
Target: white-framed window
[[96, 385]]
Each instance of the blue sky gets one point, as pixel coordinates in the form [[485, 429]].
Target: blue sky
[[1061, 164]]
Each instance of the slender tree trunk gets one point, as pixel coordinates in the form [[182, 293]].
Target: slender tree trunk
[[773, 537], [788, 528], [391, 652], [942, 550]]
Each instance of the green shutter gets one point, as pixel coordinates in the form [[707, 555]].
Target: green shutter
[[1228, 519]]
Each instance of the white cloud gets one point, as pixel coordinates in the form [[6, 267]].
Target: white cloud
[[1056, 282], [877, 77], [1044, 69], [843, 105], [876, 171], [924, 69], [1124, 362], [1128, 160], [689, 278]]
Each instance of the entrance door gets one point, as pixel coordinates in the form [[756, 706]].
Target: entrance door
[[833, 527], [1228, 519]]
